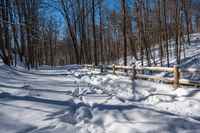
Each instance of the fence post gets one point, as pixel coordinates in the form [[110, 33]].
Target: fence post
[[113, 68], [101, 68], [93, 67], [134, 72], [176, 77]]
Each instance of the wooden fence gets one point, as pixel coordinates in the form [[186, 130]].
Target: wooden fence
[[176, 71]]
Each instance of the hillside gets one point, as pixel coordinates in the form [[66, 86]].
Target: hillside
[[192, 54]]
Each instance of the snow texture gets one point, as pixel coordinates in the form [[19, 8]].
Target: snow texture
[[71, 99]]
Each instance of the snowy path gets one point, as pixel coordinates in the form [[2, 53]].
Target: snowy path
[[79, 101]]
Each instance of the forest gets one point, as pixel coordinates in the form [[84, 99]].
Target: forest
[[62, 32], [99, 66]]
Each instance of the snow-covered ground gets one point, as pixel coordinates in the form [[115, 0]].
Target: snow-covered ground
[[71, 99]]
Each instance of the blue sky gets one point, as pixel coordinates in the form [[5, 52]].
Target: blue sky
[[112, 4]]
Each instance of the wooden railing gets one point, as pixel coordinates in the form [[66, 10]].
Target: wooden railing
[[176, 80]]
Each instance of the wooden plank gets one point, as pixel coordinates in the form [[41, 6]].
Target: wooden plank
[[193, 71], [161, 69], [167, 80], [189, 82], [124, 67]]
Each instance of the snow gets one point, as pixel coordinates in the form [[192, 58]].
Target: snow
[[192, 55], [72, 99], [75, 100]]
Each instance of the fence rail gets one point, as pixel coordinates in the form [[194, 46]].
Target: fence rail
[[176, 80]]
